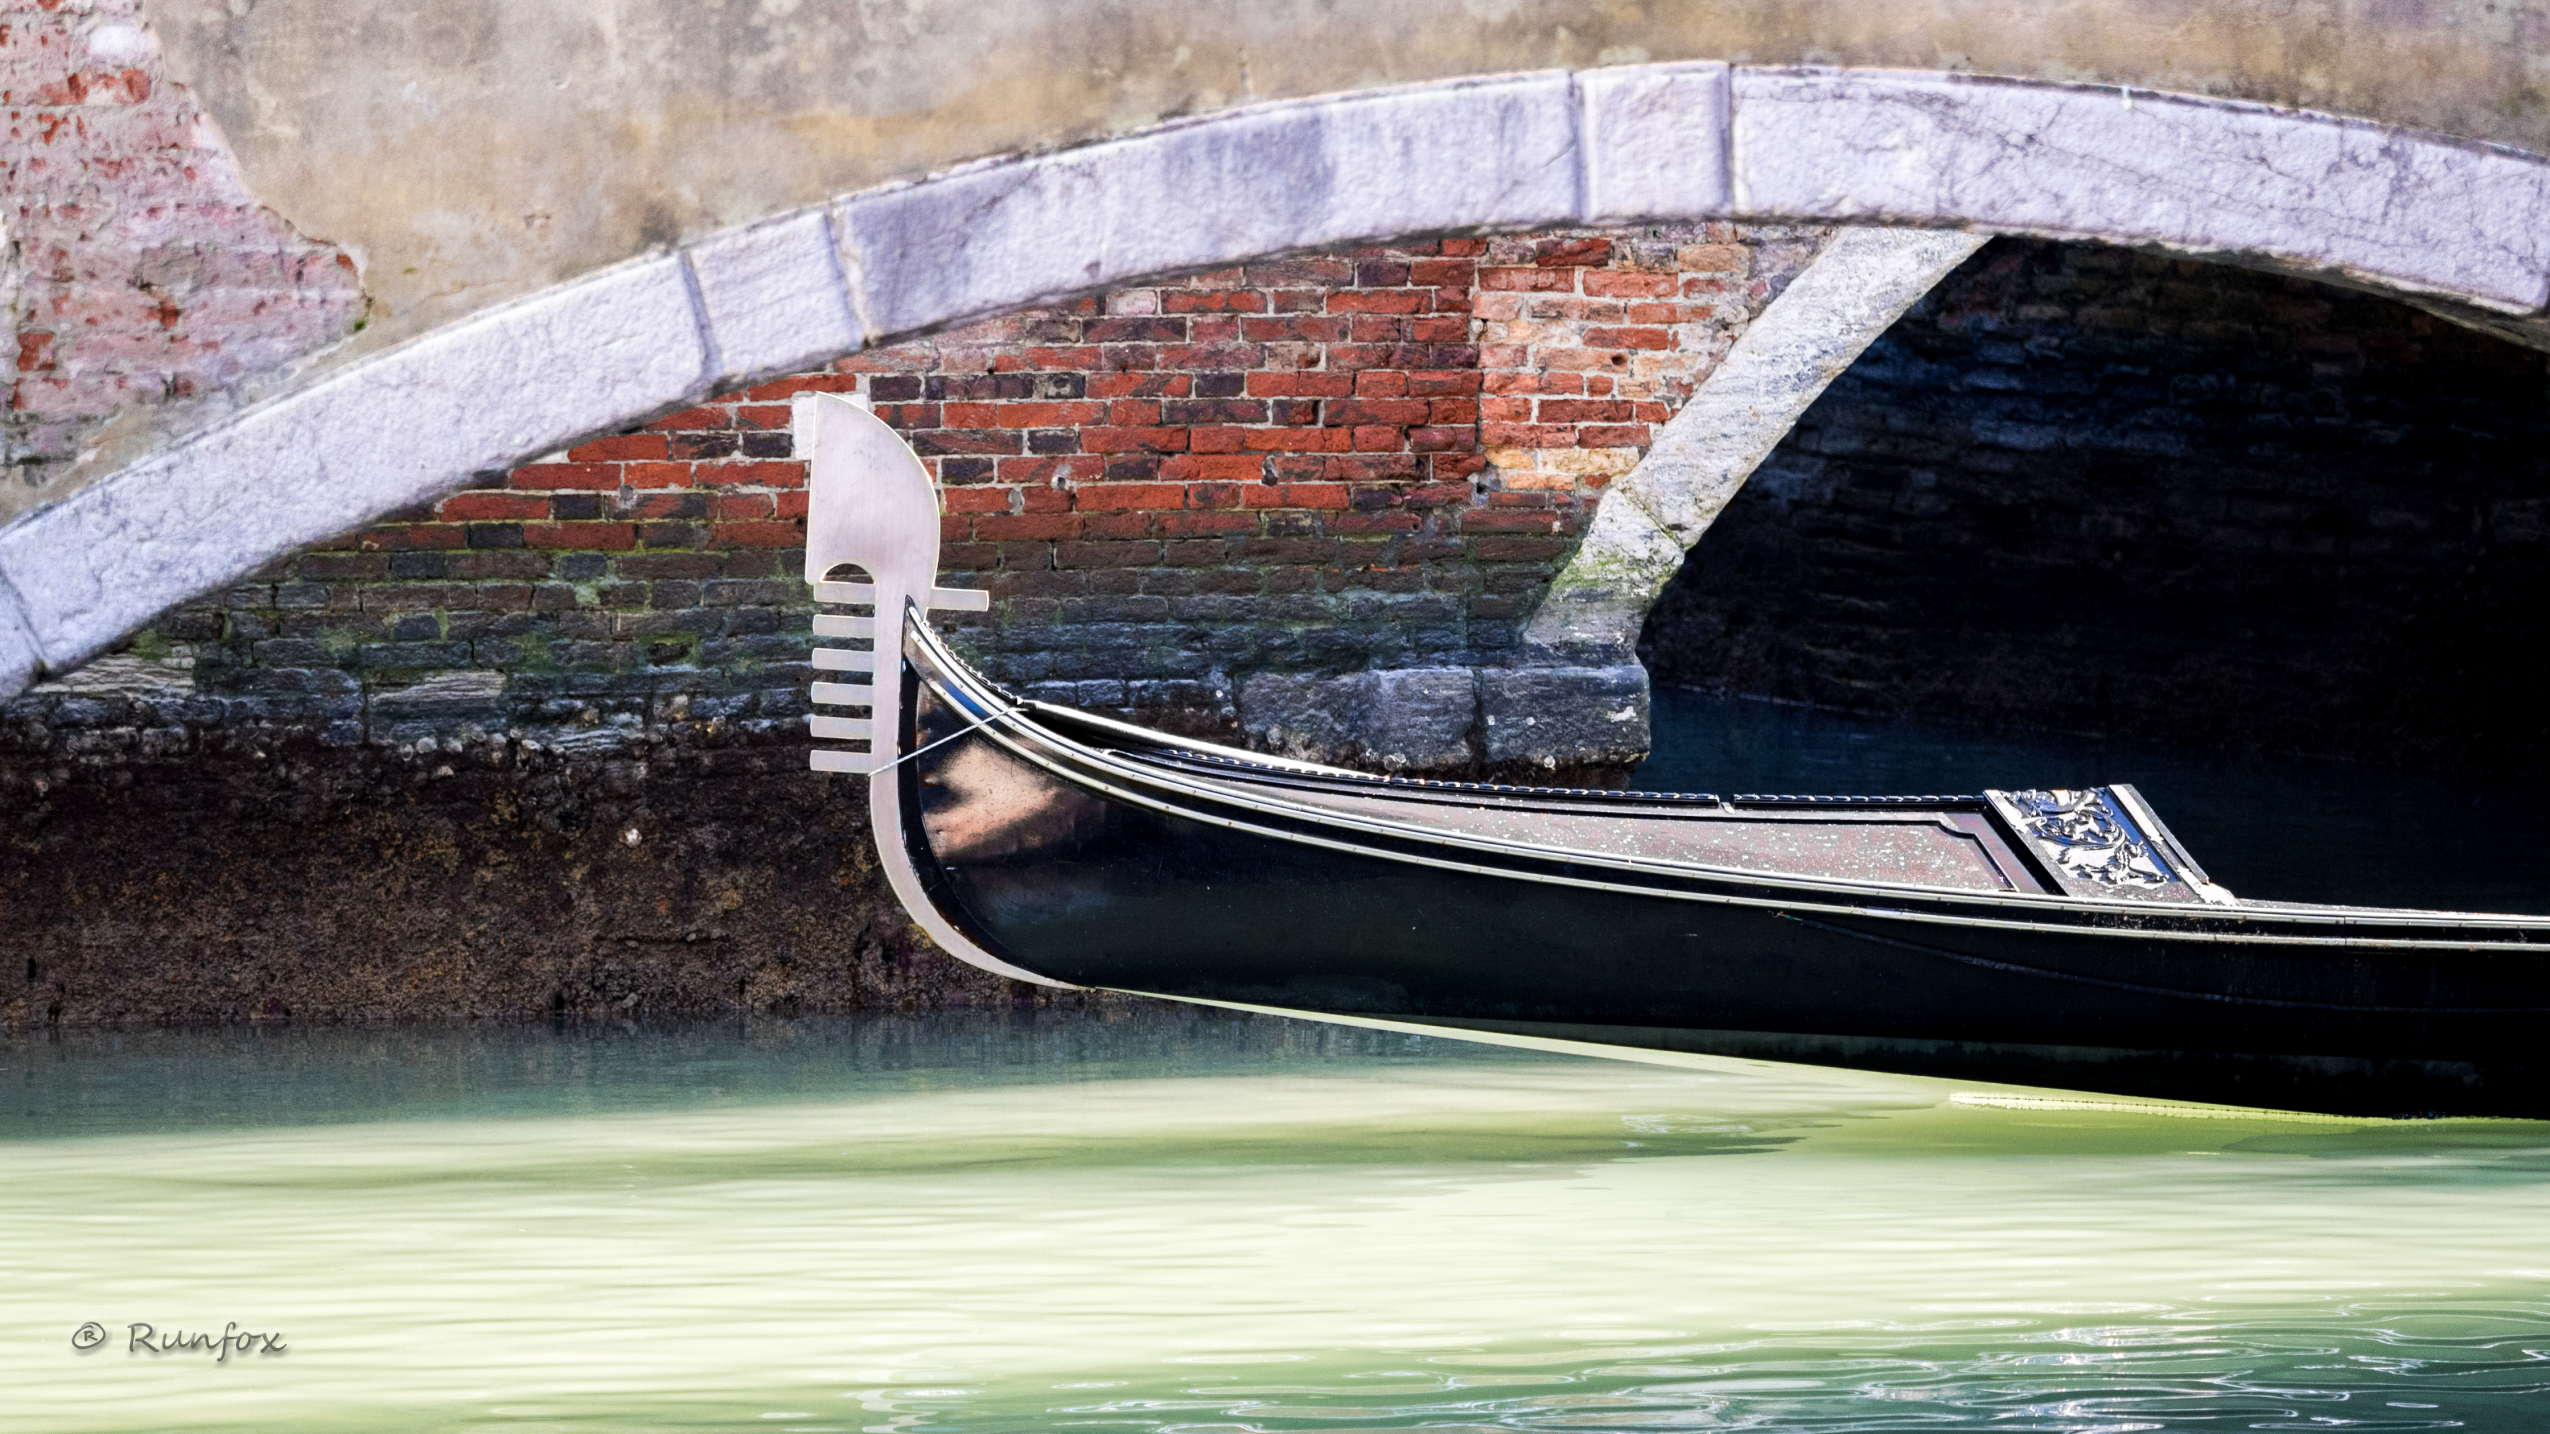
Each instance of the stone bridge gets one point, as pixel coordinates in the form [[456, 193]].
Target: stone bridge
[[570, 218]]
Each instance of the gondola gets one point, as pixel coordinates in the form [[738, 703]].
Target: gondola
[[2050, 938]]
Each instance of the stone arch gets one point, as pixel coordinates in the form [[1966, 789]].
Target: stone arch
[[2454, 223]]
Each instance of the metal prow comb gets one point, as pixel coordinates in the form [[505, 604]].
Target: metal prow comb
[[871, 503]]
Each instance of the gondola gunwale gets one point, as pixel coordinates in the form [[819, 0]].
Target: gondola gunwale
[[998, 717]]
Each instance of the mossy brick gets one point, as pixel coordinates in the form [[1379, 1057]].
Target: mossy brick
[[754, 648], [502, 654], [736, 592], [1110, 581], [407, 597], [690, 566], [511, 565], [278, 652], [313, 625], [699, 446], [407, 656], [342, 567], [1115, 608], [554, 597], [1010, 584], [601, 655], [191, 626], [662, 624], [681, 535]]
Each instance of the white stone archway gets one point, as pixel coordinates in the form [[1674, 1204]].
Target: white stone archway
[[2441, 220]]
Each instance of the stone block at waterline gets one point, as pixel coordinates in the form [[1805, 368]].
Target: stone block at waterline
[[1416, 719], [1558, 718], [1456, 721]]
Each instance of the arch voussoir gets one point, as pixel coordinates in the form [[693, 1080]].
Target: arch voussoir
[[2416, 213], [1482, 154]]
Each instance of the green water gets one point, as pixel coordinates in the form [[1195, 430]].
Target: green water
[[1213, 1224]]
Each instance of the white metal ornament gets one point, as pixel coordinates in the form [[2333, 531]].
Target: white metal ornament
[[871, 504]]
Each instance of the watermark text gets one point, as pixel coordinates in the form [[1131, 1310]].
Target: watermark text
[[143, 1338]]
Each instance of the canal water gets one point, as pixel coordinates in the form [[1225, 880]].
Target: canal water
[[1197, 1222], [1182, 1220]]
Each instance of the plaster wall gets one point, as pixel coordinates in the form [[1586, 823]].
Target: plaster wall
[[472, 151]]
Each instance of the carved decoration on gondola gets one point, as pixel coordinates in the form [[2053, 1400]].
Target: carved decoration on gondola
[[2088, 838]]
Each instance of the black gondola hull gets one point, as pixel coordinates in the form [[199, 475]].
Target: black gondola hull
[[1134, 872]]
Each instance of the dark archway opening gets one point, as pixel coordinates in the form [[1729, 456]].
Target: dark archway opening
[[2094, 491], [2090, 515]]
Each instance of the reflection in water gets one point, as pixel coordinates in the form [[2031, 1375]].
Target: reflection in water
[[979, 803], [1183, 1222]]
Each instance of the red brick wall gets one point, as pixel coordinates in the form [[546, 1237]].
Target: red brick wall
[[1589, 342], [1373, 457], [1306, 462]]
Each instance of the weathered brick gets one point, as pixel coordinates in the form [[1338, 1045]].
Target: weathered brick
[[1294, 495], [761, 475], [619, 448], [553, 476], [1118, 526], [1130, 440], [1628, 338], [1100, 497], [772, 534], [1526, 280], [705, 416], [1026, 525], [580, 535], [482, 507], [1369, 411]]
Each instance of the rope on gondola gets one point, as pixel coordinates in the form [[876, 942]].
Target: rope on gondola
[[985, 720]]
